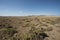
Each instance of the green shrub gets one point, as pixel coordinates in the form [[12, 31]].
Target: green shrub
[[7, 33]]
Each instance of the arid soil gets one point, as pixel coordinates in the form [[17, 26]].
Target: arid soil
[[29, 28]]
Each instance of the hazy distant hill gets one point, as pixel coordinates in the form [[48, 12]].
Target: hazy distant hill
[[29, 27]]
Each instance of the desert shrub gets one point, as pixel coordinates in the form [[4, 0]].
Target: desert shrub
[[36, 34], [57, 20], [49, 29], [7, 33]]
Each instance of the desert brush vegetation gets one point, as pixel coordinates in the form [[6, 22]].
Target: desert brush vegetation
[[29, 28]]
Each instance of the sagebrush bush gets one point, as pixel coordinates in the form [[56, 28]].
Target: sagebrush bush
[[7, 33]]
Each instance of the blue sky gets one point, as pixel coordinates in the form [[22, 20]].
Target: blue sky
[[29, 7]]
